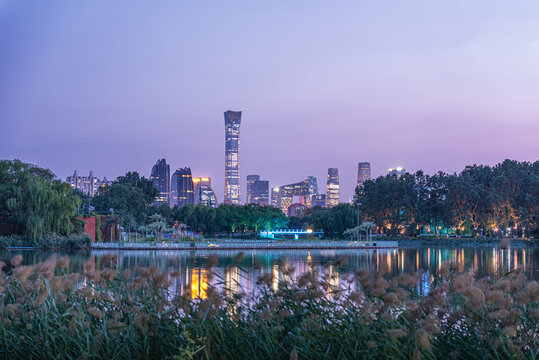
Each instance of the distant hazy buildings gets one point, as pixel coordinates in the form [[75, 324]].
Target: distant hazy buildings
[[275, 196], [160, 177], [87, 184], [319, 200], [304, 191], [260, 192], [332, 192], [363, 172], [181, 188], [232, 157], [250, 180], [204, 194], [398, 171]]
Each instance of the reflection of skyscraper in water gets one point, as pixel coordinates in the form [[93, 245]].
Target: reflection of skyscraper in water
[[232, 280]]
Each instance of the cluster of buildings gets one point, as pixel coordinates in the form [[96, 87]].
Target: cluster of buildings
[[181, 188]]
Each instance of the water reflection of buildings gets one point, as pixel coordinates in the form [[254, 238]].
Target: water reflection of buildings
[[193, 278]]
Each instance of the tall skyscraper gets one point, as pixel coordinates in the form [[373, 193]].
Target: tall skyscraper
[[304, 191], [232, 157], [260, 192], [181, 188], [363, 172], [398, 171], [332, 192], [250, 180], [160, 177], [319, 200]]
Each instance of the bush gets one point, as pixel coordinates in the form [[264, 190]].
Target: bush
[[73, 241]]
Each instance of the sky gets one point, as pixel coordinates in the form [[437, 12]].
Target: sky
[[113, 86]]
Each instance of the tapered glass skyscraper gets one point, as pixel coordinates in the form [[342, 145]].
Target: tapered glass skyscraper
[[161, 179], [232, 157]]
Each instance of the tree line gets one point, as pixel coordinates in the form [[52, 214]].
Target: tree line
[[481, 200]]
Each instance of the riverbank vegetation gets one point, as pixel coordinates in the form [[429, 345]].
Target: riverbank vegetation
[[47, 312], [35, 207]]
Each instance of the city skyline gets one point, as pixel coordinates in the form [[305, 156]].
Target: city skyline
[[331, 86]]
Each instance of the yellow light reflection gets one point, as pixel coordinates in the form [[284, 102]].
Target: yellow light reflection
[[275, 277], [199, 283]]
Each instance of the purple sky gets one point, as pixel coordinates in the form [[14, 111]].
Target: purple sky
[[112, 86]]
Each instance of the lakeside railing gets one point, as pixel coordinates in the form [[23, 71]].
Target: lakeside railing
[[247, 244]]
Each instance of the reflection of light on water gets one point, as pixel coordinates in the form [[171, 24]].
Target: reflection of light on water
[[515, 266], [388, 260], [332, 279], [423, 287], [439, 259], [232, 279], [275, 277], [428, 258], [199, 283], [417, 259], [475, 265], [402, 261]]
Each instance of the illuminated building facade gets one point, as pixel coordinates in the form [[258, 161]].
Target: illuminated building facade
[[363, 172], [275, 197], [319, 200], [232, 157], [260, 192], [204, 194], [250, 180], [398, 171], [332, 191], [305, 190], [87, 184], [160, 177], [181, 188]]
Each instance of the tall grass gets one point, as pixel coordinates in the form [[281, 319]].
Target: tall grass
[[46, 313]]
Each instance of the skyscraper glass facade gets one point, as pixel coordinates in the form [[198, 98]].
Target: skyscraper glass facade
[[232, 157], [181, 188], [250, 180], [260, 192], [204, 194], [160, 177], [304, 190], [363, 172], [332, 192]]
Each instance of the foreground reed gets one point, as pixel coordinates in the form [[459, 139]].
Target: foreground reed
[[47, 313]]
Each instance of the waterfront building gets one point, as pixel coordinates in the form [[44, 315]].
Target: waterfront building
[[181, 188], [232, 157], [87, 184], [332, 192], [204, 194], [260, 192], [275, 197], [250, 180], [160, 176], [398, 171], [363, 172], [319, 200]]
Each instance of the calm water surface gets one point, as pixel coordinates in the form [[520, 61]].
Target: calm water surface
[[193, 277]]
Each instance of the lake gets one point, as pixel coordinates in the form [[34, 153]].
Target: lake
[[337, 265]]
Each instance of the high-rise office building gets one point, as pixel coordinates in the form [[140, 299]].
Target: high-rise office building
[[332, 192], [232, 157], [319, 200], [398, 171], [87, 184], [303, 190], [250, 180], [181, 188], [204, 194], [275, 197], [260, 192], [160, 177], [363, 172]]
